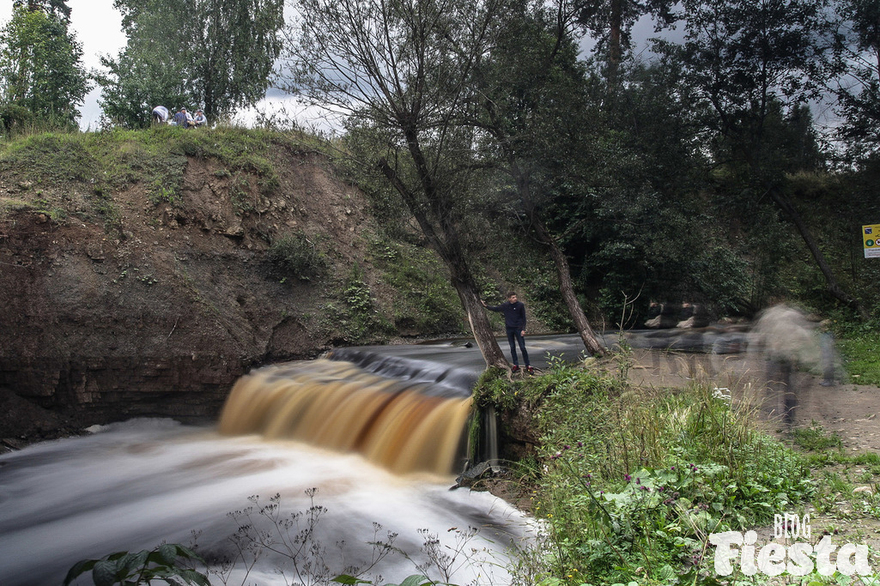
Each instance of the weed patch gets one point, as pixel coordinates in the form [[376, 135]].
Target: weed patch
[[356, 315], [859, 344], [631, 482], [814, 438], [426, 300], [294, 255]]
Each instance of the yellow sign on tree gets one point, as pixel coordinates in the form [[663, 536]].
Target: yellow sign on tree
[[871, 237]]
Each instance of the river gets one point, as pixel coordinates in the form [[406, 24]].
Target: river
[[134, 485]]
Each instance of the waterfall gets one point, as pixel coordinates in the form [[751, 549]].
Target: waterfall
[[346, 426], [401, 425]]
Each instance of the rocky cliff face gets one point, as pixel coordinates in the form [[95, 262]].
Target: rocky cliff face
[[156, 306]]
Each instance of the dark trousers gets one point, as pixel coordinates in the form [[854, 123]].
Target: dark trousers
[[514, 336]]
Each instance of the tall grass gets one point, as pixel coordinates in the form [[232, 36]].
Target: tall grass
[[631, 481], [117, 157]]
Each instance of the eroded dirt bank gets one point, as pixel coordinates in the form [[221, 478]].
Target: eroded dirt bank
[[155, 308]]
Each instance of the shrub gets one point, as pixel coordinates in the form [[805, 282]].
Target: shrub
[[169, 563], [294, 255], [425, 300], [632, 481]]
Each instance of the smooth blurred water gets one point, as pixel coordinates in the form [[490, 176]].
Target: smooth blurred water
[[134, 485]]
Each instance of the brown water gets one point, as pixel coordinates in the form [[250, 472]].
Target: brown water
[[337, 405]]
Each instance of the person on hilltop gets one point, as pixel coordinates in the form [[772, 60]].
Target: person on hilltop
[[199, 119], [183, 118], [515, 323], [160, 115]]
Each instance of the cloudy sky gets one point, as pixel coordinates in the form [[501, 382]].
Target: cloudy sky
[[98, 26]]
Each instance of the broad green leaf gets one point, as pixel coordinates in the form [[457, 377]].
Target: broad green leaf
[[417, 580], [104, 573], [132, 561], [77, 569], [167, 554], [186, 552], [195, 577]]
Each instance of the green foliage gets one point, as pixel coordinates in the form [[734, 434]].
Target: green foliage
[[14, 117], [159, 193], [362, 142], [356, 317], [65, 162], [528, 272], [838, 471], [815, 438], [50, 158], [860, 347], [295, 256], [42, 80], [425, 301], [855, 52], [220, 60], [495, 388], [169, 563], [149, 71], [634, 480]]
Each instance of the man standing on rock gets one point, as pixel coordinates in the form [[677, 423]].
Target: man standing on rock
[[515, 322]]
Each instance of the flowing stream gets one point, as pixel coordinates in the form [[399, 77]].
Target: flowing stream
[[378, 432], [381, 450]]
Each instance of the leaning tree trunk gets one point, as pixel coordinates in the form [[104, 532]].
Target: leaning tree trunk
[[480, 325], [563, 272], [832, 285], [444, 240], [591, 343]]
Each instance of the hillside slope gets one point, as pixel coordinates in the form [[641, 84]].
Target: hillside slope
[[138, 281]]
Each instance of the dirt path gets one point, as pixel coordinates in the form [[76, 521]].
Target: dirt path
[[850, 411], [847, 410]]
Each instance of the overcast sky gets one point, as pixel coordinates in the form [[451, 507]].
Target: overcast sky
[[98, 26]]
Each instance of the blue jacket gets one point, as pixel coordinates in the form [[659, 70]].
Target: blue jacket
[[514, 314]]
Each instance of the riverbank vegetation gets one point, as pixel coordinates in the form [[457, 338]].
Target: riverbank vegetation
[[630, 482], [859, 344]]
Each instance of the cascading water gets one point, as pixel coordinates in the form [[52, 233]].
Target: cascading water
[[285, 429], [339, 406]]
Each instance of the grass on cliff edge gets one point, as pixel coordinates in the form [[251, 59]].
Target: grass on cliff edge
[[630, 481], [45, 166]]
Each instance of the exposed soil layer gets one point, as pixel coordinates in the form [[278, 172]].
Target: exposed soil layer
[[160, 311]]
